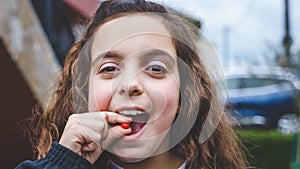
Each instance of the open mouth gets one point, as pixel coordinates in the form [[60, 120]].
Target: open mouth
[[139, 119]]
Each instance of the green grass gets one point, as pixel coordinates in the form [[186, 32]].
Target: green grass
[[268, 149]]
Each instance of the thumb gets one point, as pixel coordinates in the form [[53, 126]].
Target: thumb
[[114, 134]]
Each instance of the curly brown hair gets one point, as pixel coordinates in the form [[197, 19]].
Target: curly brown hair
[[222, 149]]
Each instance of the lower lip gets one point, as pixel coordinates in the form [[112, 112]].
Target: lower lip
[[135, 136]]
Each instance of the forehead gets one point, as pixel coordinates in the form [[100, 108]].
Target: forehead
[[117, 30]]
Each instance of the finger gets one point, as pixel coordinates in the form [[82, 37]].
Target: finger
[[90, 136], [91, 147], [113, 134], [93, 156], [112, 117], [100, 121], [98, 125], [93, 119], [75, 135]]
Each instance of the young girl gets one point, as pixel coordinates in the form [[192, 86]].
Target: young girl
[[136, 93]]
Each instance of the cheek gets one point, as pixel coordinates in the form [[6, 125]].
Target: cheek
[[165, 101], [99, 96]]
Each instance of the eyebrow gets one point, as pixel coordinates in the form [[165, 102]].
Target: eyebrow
[[158, 52], [145, 53], [109, 54]]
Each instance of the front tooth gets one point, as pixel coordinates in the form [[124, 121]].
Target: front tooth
[[133, 112], [125, 112]]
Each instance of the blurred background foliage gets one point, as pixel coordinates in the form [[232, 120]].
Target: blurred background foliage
[[268, 149]]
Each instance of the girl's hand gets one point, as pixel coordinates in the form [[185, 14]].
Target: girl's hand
[[88, 134]]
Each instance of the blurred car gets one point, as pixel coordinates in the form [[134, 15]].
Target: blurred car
[[264, 98]]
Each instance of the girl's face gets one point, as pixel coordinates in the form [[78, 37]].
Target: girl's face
[[134, 72]]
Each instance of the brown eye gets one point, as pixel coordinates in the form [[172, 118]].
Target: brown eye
[[156, 69], [109, 70]]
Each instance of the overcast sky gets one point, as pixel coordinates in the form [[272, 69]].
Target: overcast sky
[[251, 26]]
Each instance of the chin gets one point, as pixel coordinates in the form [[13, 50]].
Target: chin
[[130, 151], [131, 156], [130, 159]]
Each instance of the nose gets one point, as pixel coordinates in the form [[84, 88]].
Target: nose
[[131, 86]]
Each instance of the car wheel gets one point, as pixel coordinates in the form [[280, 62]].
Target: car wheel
[[288, 124]]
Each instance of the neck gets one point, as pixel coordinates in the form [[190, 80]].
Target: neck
[[167, 160]]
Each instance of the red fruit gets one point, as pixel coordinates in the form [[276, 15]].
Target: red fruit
[[125, 125]]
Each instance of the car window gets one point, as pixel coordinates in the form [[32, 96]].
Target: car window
[[234, 83], [249, 82]]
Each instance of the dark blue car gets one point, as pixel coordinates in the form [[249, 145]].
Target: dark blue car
[[263, 100]]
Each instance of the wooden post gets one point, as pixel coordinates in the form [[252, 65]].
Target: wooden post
[[29, 48]]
